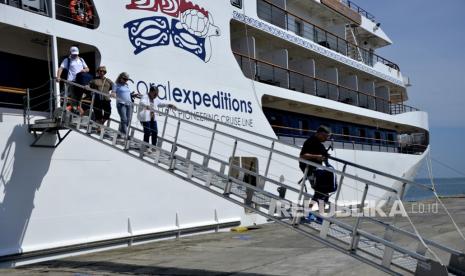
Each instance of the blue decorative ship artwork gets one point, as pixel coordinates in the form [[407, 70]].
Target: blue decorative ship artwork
[[188, 27]]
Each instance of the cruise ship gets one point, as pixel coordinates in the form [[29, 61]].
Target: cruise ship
[[262, 71]]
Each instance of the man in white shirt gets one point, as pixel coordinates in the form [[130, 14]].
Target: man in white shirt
[[74, 65]]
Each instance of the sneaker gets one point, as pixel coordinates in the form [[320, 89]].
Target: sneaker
[[315, 219], [148, 151]]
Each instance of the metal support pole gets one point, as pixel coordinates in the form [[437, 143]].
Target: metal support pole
[[227, 188], [65, 103], [28, 110], [160, 141], [89, 125], [388, 235], [174, 147], [269, 159], [54, 58], [341, 179], [210, 148], [50, 102], [296, 216], [355, 236], [127, 142]]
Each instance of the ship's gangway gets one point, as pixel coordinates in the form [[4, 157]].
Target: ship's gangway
[[224, 177]]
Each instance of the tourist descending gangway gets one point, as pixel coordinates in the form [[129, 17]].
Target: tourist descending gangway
[[203, 168]]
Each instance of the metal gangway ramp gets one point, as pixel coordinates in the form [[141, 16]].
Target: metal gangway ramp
[[224, 177]]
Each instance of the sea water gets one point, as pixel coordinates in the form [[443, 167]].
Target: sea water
[[444, 187]]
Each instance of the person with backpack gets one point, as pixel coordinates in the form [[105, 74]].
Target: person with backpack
[[313, 150], [76, 68]]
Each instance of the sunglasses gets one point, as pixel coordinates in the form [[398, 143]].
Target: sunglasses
[[125, 79], [102, 71]]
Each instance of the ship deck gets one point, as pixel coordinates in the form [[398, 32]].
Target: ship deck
[[269, 250]]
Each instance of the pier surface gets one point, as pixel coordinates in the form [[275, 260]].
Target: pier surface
[[270, 250]]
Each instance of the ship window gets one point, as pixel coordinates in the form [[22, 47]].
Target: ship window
[[298, 28], [377, 137], [82, 13], [305, 128], [40, 7], [390, 138], [345, 133], [362, 134], [237, 3]]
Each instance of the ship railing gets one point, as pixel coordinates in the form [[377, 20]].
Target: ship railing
[[358, 9], [7, 93], [397, 108], [30, 100], [271, 13], [297, 136], [276, 75], [214, 150]]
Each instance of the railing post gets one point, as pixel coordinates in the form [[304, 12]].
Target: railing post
[[288, 79], [210, 148], [174, 147], [227, 188], [89, 125], [269, 159], [160, 142], [274, 74], [127, 144], [28, 106], [50, 104], [355, 236], [341, 179], [65, 103], [388, 234], [295, 215]]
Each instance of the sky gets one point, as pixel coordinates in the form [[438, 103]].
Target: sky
[[429, 46]]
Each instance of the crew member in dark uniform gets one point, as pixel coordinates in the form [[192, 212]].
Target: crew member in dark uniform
[[313, 150]]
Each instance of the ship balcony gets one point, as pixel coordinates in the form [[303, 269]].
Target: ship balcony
[[354, 7], [83, 14], [41, 7], [333, 40], [312, 83]]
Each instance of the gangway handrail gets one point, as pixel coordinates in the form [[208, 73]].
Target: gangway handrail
[[403, 180], [12, 90], [412, 235]]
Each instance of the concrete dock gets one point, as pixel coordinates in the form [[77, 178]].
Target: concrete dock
[[270, 250]]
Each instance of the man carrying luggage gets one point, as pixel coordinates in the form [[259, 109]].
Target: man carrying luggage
[[313, 150]]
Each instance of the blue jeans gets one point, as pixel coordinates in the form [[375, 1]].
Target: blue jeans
[[150, 129], [125, 112]]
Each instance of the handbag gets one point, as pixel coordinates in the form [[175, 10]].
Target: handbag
[[324, 181]]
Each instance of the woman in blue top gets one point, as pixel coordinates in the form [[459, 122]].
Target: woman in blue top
[[123, 101]]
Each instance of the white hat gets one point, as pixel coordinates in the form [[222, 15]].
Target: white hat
[[74, 50]]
